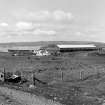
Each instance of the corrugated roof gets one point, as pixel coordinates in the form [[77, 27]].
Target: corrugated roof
[[77, 46]]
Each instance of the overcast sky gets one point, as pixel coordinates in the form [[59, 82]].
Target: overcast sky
[[49, 20]]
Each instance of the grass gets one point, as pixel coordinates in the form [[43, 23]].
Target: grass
[[70, 89]]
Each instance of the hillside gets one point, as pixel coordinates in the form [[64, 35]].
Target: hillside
[[40, 43]]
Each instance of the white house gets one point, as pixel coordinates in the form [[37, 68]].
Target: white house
[[41, 52]]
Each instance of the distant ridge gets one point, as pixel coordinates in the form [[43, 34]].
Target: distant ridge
[[41, 43]]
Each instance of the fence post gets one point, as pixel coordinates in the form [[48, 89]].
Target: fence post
[[81, 75], [4, 74], [62, 75]]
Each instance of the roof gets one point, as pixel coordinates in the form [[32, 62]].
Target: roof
[[24, 48], [77, 46]]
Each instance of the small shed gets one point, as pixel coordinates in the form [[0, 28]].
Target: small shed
[[14, 79]]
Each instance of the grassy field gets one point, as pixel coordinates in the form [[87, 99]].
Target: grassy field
[[71, 79]]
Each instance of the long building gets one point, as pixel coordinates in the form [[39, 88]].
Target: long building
[[22, 50], [70, 48]]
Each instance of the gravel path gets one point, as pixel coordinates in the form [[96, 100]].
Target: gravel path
[[16, 97]]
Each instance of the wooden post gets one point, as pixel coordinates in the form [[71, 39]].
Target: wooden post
[[33, 77], [81, 75], [61, 75], [4, 74]]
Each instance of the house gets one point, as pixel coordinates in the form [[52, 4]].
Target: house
[[52, 49], [41, 52]]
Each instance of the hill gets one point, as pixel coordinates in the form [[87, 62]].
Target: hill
[[41, 43]]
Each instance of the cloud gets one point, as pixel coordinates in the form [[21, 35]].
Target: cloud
[[41, 15], [79, 34], [24, 25], [39, 28], [42, 22], [3, 24], [57, 15], [48, 32], [61, 15]]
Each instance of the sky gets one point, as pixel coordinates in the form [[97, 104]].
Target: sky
[[52, 20]]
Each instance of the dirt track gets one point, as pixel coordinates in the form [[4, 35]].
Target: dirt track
[[16, 97]]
